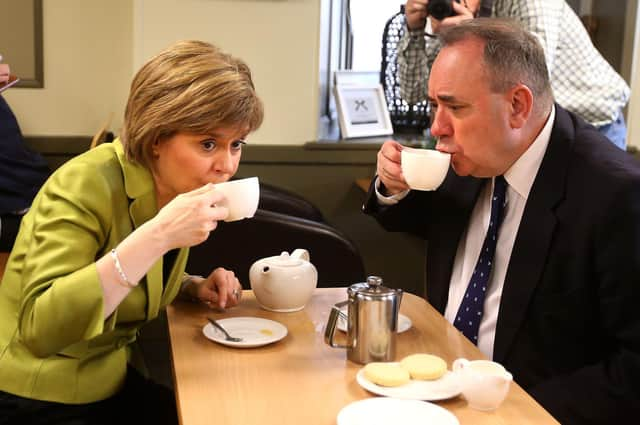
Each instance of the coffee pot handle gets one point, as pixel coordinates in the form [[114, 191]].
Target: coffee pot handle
[[330, 330]]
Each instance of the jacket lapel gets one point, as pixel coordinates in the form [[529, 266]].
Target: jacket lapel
[[139, 185], [534, 237]]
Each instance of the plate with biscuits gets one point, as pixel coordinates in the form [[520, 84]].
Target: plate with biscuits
[[417, 377]]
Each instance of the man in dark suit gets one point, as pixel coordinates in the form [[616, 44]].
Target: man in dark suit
[[22, 171], [560, 304]]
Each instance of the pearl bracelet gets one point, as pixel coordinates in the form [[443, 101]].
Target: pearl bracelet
[[123, 277]]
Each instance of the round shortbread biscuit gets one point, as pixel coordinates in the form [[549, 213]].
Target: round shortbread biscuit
[[386, 374], [424, 366]]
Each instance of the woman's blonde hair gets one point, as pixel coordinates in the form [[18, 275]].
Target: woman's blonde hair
[[191, 86]]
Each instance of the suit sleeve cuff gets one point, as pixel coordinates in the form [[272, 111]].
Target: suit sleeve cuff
[[388, 200]]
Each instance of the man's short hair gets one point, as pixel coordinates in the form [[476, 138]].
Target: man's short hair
[[512, 55]]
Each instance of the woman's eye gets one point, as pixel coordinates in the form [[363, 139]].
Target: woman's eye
[[237, 145], [208, 145]]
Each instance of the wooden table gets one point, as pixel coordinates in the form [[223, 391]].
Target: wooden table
[[300, 380]]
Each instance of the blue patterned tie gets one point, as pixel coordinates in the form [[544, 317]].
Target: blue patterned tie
[[471, 309]]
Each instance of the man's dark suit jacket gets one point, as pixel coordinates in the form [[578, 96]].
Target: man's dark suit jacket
[[569, 322]]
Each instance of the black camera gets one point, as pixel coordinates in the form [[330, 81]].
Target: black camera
[[440, 9]]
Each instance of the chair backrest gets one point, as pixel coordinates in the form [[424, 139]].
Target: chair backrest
[[276, 199], [237, 245], [405, 117]]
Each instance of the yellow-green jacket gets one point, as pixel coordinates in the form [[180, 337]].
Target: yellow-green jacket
[[54, 342]]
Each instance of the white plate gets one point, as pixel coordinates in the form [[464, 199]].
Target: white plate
[[254, 331], [404, 323], [440, 389], [386, 411]]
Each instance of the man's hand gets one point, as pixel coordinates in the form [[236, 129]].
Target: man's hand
[[415, 12], [463, 12], [388, 168]]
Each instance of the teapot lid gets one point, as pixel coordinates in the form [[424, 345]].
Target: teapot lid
[[284, 260], [372, 287]]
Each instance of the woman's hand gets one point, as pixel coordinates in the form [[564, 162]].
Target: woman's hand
[[222, 288], [389, 169], [189, 218]]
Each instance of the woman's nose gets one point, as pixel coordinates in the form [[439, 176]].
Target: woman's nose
[[224, 163]]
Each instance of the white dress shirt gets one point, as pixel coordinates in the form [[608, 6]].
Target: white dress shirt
[[520, 178]]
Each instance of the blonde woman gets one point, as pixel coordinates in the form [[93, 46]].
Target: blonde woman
[[105, 244]]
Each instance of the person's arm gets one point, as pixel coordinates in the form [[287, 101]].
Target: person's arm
[[395, 207], [415, 57], [78, 217], [185, 221], [607, 391], [543, 18]]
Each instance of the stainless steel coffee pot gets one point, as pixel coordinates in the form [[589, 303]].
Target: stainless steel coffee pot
[[372, 321]]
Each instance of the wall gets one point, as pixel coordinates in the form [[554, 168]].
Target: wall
[[278, 39], [92, 48], [87, 68]]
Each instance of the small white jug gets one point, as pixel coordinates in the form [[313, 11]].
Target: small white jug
[[485, 384]]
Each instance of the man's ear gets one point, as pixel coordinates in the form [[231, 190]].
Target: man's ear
[[521, 106]]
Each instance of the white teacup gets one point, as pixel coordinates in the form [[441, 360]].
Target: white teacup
[[242, 197], [424, 169], [485, 384]]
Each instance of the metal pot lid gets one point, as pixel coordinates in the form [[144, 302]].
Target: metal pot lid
[[373, 287]]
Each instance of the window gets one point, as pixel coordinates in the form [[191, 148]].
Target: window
[[351, 39]]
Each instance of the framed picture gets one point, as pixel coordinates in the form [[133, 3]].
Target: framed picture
[[362, 111], [21, 40]]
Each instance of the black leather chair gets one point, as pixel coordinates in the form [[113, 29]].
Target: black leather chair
[[237, 245], [273, 198]]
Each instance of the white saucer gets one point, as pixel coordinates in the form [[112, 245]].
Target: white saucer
[[254, 331], [385, 411], [404, 323], [448, 386]]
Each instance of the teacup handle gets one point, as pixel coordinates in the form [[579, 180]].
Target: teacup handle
[[459, 364]]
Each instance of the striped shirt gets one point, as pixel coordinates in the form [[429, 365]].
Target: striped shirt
[[582, 80]]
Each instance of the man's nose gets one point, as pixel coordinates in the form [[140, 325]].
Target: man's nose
[[440, 124]]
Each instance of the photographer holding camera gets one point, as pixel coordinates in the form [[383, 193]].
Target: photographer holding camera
[[582, 80]]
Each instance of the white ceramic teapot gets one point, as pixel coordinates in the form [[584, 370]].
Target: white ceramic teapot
[[283, 282]]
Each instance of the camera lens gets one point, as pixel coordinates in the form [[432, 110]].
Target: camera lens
[[440, 9]]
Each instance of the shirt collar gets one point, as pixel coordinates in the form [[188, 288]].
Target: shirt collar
[[523, 172]]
